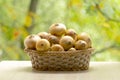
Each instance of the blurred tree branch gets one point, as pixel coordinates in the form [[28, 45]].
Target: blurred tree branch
[[106, 48], [30, 18], [105, 15]]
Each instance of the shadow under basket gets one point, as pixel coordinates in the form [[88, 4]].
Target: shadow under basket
[[60, 60]]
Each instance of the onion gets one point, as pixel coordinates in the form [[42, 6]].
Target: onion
[[57, 29], [42, 45], [67, 42], [30, 41]]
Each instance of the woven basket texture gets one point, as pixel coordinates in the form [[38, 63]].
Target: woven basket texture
[[60, 60]]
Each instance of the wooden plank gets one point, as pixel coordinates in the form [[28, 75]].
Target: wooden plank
[[21, 70]]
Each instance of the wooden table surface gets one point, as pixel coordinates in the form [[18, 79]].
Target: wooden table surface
[[21, 70]]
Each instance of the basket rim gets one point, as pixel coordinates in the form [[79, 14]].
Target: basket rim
[[58, 52]]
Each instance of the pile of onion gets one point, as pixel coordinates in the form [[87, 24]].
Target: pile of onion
[[59, 38]]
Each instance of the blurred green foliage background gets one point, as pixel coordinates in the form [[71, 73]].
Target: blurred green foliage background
[[99, 18]]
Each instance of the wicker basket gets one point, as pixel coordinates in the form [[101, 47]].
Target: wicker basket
[[60, 60]]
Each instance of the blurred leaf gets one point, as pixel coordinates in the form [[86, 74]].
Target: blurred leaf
[[28, 21]]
